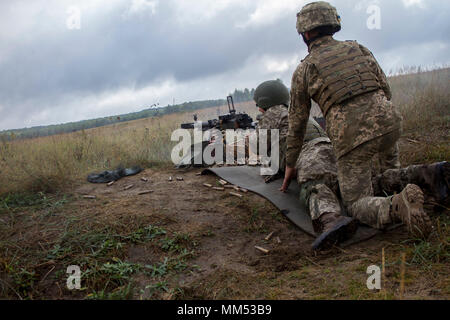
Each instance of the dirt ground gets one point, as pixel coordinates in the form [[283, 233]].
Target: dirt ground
[[187, 241], [226, 230]]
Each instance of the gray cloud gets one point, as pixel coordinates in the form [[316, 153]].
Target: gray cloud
[[128, 54]]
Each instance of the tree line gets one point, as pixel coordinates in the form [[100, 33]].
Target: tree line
[[153, 111]]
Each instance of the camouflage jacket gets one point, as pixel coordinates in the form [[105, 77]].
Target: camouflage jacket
[[276, 117], [349, 123]]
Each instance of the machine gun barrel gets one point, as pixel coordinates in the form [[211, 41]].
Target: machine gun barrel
[[205, 125]]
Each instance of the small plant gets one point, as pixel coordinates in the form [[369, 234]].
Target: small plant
[[147, 233], [157, 270], [177, 243], [107, 246], [169, 244], [23, 281], [119, 270], [427, 253], [58, 252], [121, 293], [161, 286]]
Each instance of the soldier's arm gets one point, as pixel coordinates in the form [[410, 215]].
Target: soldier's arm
[[284, 128], [274, 119], [299, 110], [284, 125], [378, 71]]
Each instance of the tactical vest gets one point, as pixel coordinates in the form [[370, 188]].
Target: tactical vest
[[345, 73]]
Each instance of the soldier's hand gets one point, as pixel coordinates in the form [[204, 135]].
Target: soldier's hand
[[289, 174]]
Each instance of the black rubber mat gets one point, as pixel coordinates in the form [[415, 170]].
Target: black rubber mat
[[288, 203]]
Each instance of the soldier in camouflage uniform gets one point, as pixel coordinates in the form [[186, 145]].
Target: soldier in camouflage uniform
[[272, 99], [349, 86], [318, 180], [317, 171], [316, 166], [433, 179]]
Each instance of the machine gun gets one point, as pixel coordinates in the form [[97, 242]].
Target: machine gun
[[232, 120]]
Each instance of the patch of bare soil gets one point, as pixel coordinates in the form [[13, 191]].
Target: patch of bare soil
[[226, 230]]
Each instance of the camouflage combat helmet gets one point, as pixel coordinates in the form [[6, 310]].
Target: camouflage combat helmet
[[271, 93], [318, 14]]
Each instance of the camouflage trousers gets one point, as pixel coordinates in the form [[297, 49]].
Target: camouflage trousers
[[317, 178], [395, 180], [355, 180], [317, 175]]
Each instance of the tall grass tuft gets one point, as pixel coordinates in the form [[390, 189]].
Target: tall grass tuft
[[423, 97]]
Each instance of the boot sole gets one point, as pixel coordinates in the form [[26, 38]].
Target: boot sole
[[340, 232], [410, 211]]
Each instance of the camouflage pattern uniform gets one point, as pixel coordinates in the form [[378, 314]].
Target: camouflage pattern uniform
[[360, 122], [317, 178], [317, 173], [433, 179], [316, 164], [276, 117]]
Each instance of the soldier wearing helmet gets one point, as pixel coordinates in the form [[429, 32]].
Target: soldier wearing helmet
[[315, 166], [346, 81], [317, 170], [272, 99]]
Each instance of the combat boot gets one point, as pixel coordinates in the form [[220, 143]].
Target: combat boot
[[407, 207], [433, 179], [334, 229]]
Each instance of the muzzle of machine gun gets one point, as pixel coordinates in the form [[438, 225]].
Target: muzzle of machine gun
[[205, 125]]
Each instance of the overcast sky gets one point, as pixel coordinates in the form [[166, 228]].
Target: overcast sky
[[125, 55]]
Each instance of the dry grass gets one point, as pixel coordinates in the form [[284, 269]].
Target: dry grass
[[50, 164], [423, 99], [135, 247]]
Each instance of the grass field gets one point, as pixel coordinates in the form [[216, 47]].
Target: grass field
[[49, 164], [130, 247]]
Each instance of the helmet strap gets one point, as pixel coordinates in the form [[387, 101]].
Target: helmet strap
[[319, 35], [306, 40]]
